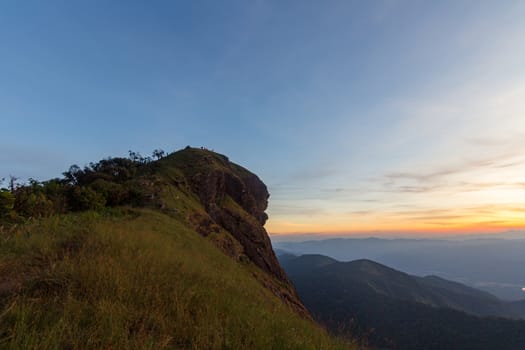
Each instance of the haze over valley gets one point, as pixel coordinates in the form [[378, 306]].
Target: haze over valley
[[491, 264]]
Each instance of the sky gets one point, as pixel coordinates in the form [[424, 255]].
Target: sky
[[375, 117]]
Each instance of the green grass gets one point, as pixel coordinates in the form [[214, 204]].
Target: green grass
[[136, 280]]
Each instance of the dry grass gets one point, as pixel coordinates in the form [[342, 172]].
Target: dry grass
[[143, 281]]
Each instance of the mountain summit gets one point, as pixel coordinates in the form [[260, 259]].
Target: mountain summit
[[134, 253]]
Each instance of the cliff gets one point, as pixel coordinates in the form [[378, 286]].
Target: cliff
[[234, 202]]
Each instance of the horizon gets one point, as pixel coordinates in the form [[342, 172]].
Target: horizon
[[453, 236], [376, 118]]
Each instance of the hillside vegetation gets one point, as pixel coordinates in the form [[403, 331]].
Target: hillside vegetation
[[163, 273]]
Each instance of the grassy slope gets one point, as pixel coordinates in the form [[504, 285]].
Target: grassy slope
[[136, 280]]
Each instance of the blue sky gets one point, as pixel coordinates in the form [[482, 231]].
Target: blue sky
[[359, 115]]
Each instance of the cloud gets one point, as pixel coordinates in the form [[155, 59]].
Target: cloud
[[510, 142], [438, 217], [495, 162], [441, 223], [449, 187], [494, 171], [495, 208], [413, 189], [295, 210], [360, 212], [482, 215]]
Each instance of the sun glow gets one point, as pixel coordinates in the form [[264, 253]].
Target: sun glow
[[475, 195], [388, 227]]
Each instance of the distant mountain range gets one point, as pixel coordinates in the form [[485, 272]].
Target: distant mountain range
[[386, 306], [493, 265]]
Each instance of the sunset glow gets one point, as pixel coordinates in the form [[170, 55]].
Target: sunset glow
[[359, 116], [484, 194]]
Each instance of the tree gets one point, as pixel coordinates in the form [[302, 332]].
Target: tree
[[7, 202], [85, 198], [31, 200], [72, 174], [113, 193], [12, 183], [158, 154], [135, 156]]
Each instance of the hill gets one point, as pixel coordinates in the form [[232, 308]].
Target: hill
[[492, 264], [429, 290], [136, 254], [519, 307], [399, 311]]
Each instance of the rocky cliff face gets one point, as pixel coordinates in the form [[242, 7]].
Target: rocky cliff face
[[235, 200], [251, 197]]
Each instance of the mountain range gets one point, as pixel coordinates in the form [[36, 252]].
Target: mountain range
[[490, 264], [395, 310]]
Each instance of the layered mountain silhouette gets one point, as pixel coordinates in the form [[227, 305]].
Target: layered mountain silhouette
[[396, 310], [490, 263]]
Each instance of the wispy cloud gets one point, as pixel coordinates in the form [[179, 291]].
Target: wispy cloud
[[314, 174], [296, 210], [439, 172]]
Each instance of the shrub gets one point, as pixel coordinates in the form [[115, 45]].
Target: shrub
[[85, 198], [114, 193], [7, 202]]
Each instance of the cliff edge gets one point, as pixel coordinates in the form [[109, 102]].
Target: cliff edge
[[234, 202]]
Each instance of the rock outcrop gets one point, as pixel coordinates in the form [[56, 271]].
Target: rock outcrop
[[249, 196], [235, 200]]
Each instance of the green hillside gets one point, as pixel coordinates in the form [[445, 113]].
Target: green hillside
[[162, 274]]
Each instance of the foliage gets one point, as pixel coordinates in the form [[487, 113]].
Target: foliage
[[31, 200], [7, 201], [85, 198], [110, 182], [114, 193], [158, 154]]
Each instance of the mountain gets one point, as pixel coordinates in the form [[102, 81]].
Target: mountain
[[519, 307], [142, 254], [490, 264], [429, 290], [395, 310]]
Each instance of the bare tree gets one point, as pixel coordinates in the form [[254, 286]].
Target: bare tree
[[12, 183]]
